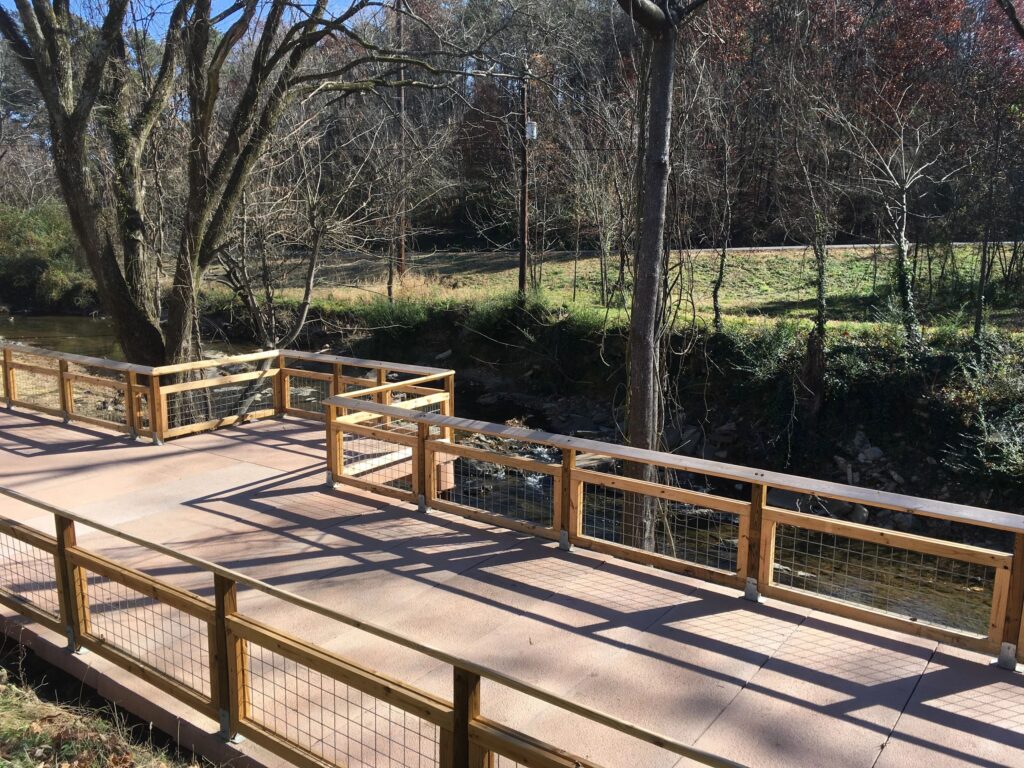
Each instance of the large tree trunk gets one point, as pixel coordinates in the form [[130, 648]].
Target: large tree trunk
[[137, 332], [644, 420]]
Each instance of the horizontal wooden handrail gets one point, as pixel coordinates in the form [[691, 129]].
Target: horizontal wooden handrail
[[942, 510], [218, 381], [481, 454], [397, 385], [85, 360], [39, 369], [924, 544], [501, 678], [293, 354], [356, 362], [97, 381]]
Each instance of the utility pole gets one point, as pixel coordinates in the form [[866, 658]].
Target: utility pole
[[400, 117], [524, 193]]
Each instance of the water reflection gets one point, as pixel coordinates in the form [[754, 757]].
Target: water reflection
[[90, 336]]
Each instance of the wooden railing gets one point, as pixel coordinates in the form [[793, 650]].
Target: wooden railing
[[230, 666], [89, 390], [702, 518], [171, 401]]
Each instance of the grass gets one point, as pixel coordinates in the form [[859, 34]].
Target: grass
[[766, 283], [35, 733]]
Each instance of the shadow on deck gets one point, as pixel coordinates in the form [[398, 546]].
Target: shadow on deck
[[763, 684]]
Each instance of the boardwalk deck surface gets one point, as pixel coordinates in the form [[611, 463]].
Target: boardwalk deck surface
[[767, 685]]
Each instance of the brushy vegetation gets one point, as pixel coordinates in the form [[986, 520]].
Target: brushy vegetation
[[958, 403], [759, 284], [39, 266], [35, 733]]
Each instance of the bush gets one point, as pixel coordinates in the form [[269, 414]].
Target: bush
[[39, 265]]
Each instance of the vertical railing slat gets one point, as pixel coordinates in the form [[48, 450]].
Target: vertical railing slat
[[228, 666], [1010, 648], [466, 699], [569, 504], [67, 396], [10, 379], [72, 586], [750, 562], [157, 410]]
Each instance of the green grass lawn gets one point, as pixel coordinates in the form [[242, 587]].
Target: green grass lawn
[[759, 283]]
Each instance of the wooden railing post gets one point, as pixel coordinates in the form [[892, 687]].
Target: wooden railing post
[[448, 406], [67, 398], [281, 387], [157, 410], [422, 470], [229, 661], [466, 699], [753, 570], [71, 586], [10, 390], [1010, 648], [570, 502], [131, 404]]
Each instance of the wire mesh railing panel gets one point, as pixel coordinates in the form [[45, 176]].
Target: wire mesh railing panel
[[219, 401], [926, 588], [490, 486], [39, 389], [904, 522], [377, 461], [682, 531], [28, 574], [405, 426], [143, 411], [97, 401], [332, 721], [153, 633], [308, 394]]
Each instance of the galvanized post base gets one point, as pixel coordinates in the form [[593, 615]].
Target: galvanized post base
[[73, 647], [750, 591], [421, 503], [563, 541], [330, 479], [1007, 656], [225, 729]]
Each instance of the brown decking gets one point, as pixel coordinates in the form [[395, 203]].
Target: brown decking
[[763, 684]]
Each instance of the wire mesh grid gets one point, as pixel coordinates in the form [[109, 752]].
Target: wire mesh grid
[[40, 389], [99, 401], [399, 425], [333, 721], [143, 406], [687, 532], [497, 488], [154, 633], [219, 401], [28, 574], [307, 394], [926, 588], [381, 462]]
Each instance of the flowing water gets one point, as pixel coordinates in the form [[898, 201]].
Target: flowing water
[[91, 336]]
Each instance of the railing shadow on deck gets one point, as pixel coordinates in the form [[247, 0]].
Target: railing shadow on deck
[[508, 548], [405, 412]]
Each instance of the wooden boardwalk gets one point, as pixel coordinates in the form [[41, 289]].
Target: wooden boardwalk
[[766, 685]]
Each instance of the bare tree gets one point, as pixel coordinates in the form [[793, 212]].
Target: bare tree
[[98, 104], [645, 418], [897, 155]]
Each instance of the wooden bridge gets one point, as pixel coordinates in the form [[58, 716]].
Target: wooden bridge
[[465, 593]]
